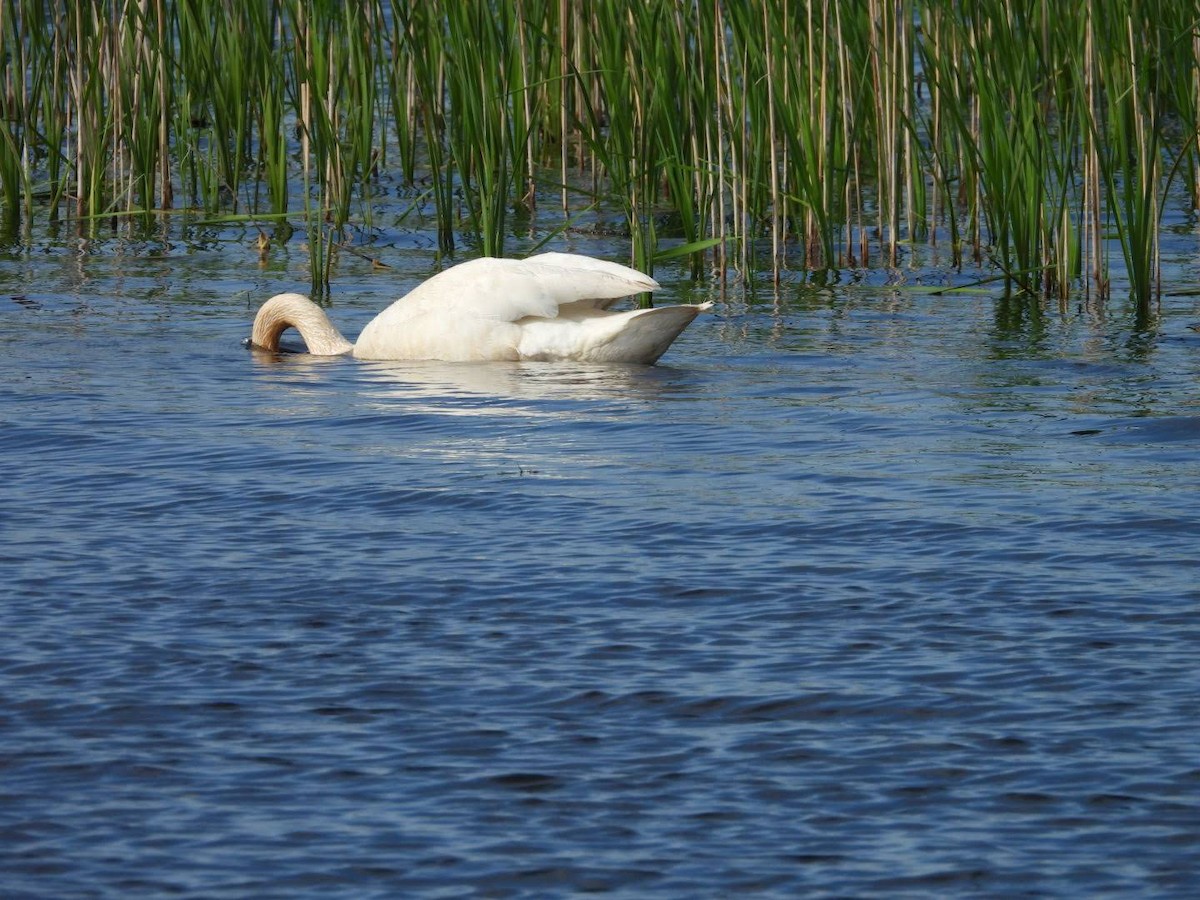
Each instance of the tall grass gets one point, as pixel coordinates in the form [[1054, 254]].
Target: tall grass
[[775, 135]]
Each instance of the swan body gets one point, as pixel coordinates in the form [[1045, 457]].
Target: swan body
[[554, 306]]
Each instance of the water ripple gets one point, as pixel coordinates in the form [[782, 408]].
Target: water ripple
[[859, 611]]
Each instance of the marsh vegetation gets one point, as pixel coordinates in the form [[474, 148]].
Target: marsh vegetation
[[753, 138]]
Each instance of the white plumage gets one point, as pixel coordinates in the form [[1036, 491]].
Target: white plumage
[[549, 307]]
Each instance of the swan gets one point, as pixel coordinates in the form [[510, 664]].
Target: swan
[[554, 306]]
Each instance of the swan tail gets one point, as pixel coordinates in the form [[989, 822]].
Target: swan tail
[[651, 331], [284, 311], [633, 336]]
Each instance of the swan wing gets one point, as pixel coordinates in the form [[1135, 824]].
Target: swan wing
[[506, 290], [584, 282]]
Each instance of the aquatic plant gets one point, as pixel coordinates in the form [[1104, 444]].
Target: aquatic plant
[[773, 135]]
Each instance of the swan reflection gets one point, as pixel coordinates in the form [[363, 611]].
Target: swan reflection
[[480, 387], [504, 382]]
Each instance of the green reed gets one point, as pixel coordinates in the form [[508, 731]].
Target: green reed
[[487, 133], [15, 117], [771, 135], [1130, 155], [628, 39], [419, 34]]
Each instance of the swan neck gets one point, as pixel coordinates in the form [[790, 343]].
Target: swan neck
[[285, 311]]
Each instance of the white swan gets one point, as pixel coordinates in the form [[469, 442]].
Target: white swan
[[549, 307]]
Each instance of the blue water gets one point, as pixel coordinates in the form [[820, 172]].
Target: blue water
[[863, 591]]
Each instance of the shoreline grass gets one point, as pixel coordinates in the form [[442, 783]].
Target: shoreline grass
[[779, 134]]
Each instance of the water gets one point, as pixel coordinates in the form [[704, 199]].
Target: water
[[869, 592]]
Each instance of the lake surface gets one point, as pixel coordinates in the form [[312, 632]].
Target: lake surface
[[863, 591]]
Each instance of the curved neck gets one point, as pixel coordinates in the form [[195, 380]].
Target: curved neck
[[285, 311]]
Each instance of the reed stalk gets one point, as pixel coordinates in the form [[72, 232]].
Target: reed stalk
[[421, 35], [487, 134]]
